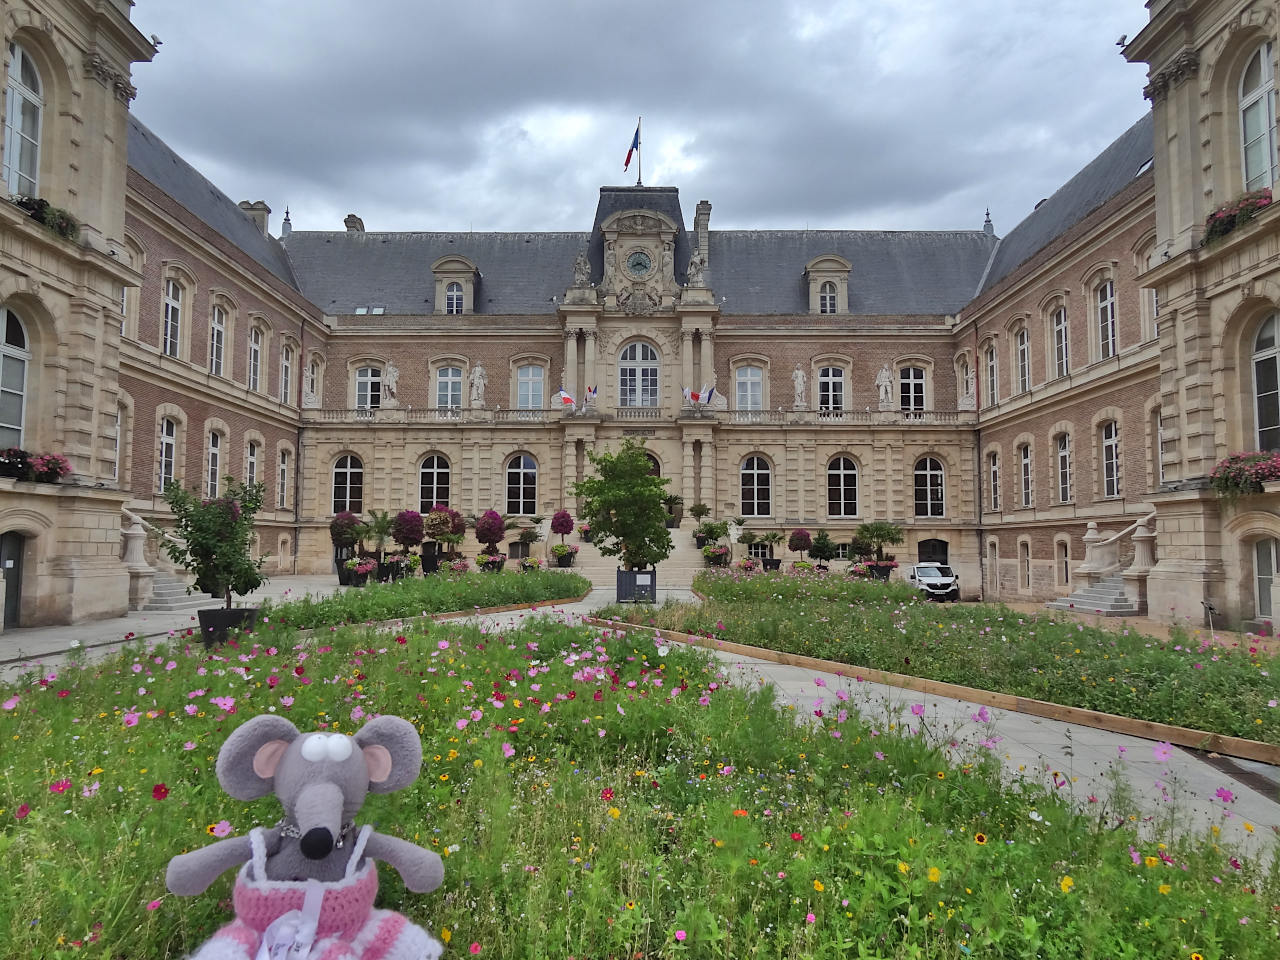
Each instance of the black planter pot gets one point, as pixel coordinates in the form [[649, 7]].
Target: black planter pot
[[430, 557], [565, 561], [344, 576], [217, 622], [358, 579], [340, 557], [585, 537], [635, 586], [878, 572], [700, 540], [672, 523], [772, 563]]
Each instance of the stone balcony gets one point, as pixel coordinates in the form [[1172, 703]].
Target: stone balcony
[[647, 415]]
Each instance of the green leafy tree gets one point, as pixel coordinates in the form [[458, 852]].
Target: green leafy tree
[[823, 549], [623, 505], [215, 538], [879, 533], [378, 529]]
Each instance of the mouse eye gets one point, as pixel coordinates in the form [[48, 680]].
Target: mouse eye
[[314, 748], [338, 747]]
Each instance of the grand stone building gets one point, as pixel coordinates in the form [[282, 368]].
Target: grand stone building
[[1042, 409]]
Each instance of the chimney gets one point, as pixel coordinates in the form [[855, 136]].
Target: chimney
[[258, 212], [286, 228], [701, 221], [354, 224]]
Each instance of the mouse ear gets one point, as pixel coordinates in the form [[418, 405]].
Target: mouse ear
[[248, 759], [392, 752]]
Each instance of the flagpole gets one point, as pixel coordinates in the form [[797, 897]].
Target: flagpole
[[639, 151]]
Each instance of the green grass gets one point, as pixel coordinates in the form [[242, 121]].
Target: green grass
[[419, 596], [593, 796], [987, 646]]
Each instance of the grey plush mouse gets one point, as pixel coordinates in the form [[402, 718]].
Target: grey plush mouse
[[306, 886]]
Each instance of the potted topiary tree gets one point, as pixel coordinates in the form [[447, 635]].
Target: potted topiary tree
[[772, 539], [877, 534], [378, 530], [344, 531], [490, 528], [822, 550], [623, 505], [674, 504], [213, 543], [408, 530], [441, 526], [563, 553], [526, 538], [799, 541]]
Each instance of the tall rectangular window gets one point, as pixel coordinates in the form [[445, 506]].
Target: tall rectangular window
[[115, 448], [993, 468], [1061, 348], [993, 375], [255, 358], [1022, 345], [529, 387], [286, 373], [215, 456], [368, 388], [750, 388], [1106, 320], [1064, 468], [831, 389], [282, 481], [217, 340], [449, 388], [172, 317], [1111, 459], [1024, 456], [911, 388], [251, 463]]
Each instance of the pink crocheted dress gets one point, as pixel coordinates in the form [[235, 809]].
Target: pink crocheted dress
[[313, 920]]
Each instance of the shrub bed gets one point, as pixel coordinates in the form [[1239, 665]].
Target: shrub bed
[[591, 796], [415, 596], [1180, 681]]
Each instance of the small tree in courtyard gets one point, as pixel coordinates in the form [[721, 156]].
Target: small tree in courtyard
[[622, 503], [799, 541], [407, 529], [561, 523], [216, 538], [490, 529], [822, 549], [878, 533]]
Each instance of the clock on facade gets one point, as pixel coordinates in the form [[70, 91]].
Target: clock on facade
[[638, 263]]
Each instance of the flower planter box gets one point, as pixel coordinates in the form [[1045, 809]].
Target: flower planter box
[[358, 579], [490, 566], [879, 572], [635, 586], [217, 622], [772, 563]]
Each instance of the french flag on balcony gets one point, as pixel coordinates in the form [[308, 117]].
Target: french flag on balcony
[[702, 396], [591, 395], [567, 400]]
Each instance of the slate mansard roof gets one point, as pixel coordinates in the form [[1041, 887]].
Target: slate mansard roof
[[756, 272]]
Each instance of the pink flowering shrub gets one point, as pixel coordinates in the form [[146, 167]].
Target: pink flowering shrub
[[1242, 474], [1235, 214]]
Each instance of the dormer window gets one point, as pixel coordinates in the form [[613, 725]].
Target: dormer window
[[828, 278], [827, 298], [453, 298], [455, 285]]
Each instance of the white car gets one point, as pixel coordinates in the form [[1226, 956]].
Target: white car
[[935, 581]]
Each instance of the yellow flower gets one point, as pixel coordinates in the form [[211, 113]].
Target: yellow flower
[[1066, 883], [940, 775], [1152, 861], [934, 874], [477, 763], [1197, 956], [817, 885], [1248, 826], [903, 867], [445, 934], [631, 904], [1164, 888], [615, 812], [980, 839]]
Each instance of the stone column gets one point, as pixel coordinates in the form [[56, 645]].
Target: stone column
[[688, 490], [590, 366], [141, 576], [570, 378], [570, 474], [708, 360], [686, 361]]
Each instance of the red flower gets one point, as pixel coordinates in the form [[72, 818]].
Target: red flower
[[22, 811], [159, 791], [606, 793], [797, 836], [401, 640], [64, 693], [59, 786]]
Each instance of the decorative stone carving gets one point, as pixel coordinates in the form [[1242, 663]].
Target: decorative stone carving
[[309, 400], [390, 383], [1185, 65], [797, 381], [581, 272], [477, 382], [697, 270], [884, 384], [636, 301], [638, 223], [102, 70]]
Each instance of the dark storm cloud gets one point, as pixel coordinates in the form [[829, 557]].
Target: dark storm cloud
[[510, 115]]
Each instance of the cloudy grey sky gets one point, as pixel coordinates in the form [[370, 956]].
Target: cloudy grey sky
[[510, 114]]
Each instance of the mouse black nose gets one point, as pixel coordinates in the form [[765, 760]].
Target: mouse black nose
[[317, 843]]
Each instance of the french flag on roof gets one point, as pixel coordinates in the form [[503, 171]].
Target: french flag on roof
[[635, 145]]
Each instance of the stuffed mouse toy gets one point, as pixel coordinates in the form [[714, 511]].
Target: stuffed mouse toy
[[306, 886]]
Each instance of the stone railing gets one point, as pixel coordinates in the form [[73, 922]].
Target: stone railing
[[133, 533], [508, 415], [1106, 556]]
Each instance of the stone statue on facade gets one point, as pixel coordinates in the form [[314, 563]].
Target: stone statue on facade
[[697, 268], [478, 381], [718, 400], [968, 395], [581, 272], [884, 384], [797, 380], [390, 384]]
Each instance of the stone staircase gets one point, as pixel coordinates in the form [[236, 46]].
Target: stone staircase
[[674, 573], [1106, 598], [169, 594]]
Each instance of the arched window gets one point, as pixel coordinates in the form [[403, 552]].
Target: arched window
[[217, 340], [453, 298], [23, 114], [638, 376], [449, 389], [1022, 350], [993, 374], [313, 378], [1106, 294], [255, 358], [750, 380], [168, 452], [756, 499], [830, 389], [1064, 467], [15, 354], [172, 317], [1264, 572], [433, 483], [1025, 476], [1111, 459], [522, 485], [213, 462], [1061, 344], [911, 388], [929, 488], [1266, 384], [842, 488], [348, 484], [368, 388], [1258, 120], [993, 469], [286, 373], [827, 298]]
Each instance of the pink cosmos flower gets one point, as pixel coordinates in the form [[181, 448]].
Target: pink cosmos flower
[[153, 905], [159, 791], [11, 702], [221, 828], [287, 701], [189, 745], [809, 918], [191, 709], [223, 703], [1225, 795], [680, 935], [23, 810], [90, 790], [131, 719], [917, 709], [60, 786], [1162, 751]]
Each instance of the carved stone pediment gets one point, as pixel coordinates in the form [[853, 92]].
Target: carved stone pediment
[[637, 301], [639, 223]]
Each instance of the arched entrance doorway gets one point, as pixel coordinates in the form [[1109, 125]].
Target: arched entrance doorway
[[932, 551], [655, 468], [11, 546]]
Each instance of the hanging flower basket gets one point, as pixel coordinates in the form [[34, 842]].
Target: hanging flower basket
[[1234, 214], [1243, 474]]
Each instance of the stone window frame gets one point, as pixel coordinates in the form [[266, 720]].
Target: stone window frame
[[1145, 258], [134, 255], [1020, 369], [1253, 357], [946, 469], [178, 273], [1062, 577], [828, 268], [15, 181], [744, 361], [993, 565], [857, 484], [924, 364], [1100, 419], [1053, 308], [514, 366], [1024, 449], [962, 364], [287, 372], [423, 506], [258, 322], [170, 411], [768, 471], [1265, 95], [989, 351], [286, 463], [830, 361], [1157, 442], [254, 437], [354, 366], [59, 67], [454, 268], [639, 364], [993, 478], [25, 355], [1025, 558], [445, 361], [220, 301], [347, 468], [1097, 277], [211, 482], [313, 377], [124, 441], [524, 498], [1063, 428]]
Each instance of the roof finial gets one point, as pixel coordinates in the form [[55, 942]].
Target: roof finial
[[286, 227], [987, 227]]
